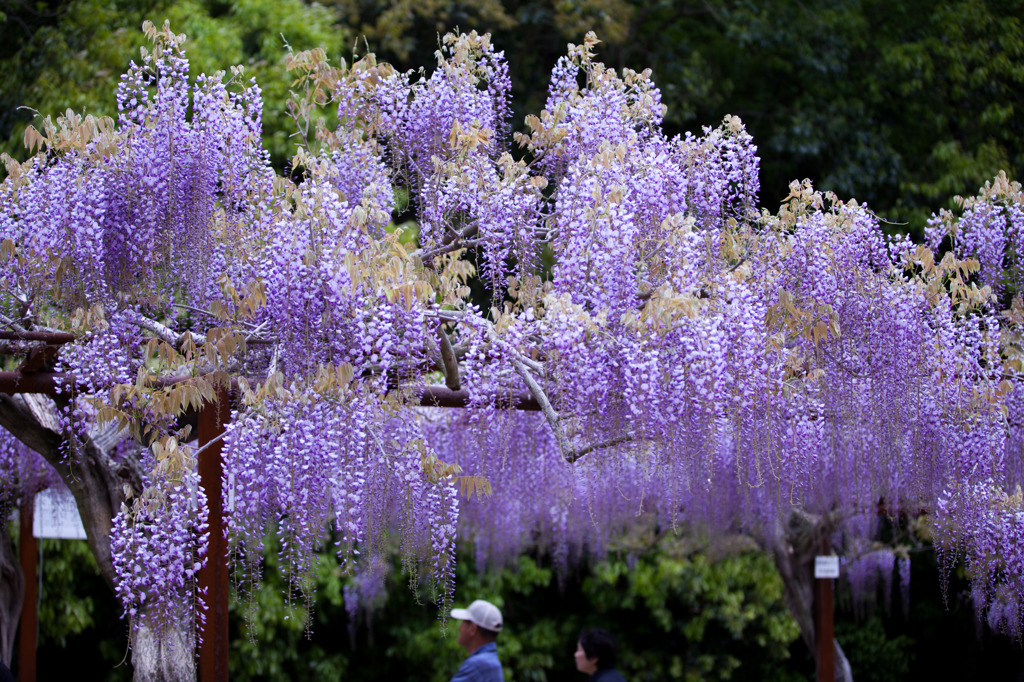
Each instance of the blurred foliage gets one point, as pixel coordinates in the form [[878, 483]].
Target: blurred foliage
[[270, 639], [902, 105], [70, 54], [938, 638], [679, 613], [875, 655], [79, 618], [407, 29], [704, 621]]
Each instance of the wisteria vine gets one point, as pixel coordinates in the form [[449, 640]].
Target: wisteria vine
[[696, 360]]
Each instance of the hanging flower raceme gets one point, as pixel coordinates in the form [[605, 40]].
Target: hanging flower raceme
[[577, 121], [159, 543], [22, 472], [134, 209], [695, 363], [335, 456], [990, 228], [444, 135]]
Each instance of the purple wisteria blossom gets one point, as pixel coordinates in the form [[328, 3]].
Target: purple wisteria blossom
[[691, 360]]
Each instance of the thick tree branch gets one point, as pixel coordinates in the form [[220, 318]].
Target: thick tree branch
[[95, 479], [449, 363], [8, 322], [162, 331], [610, 443], [17, 417], [51, 337], [534, 366], [451, 242], [545, 406], [793, 547], [427, 256], [433, 355], [555, 421], [524, 368], [165, 655]]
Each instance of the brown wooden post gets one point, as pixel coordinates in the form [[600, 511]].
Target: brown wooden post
[[213, 578], [29, 627], [824, 625]]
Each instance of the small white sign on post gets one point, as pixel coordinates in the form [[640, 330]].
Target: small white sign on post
[[56, 516], [826, 566]]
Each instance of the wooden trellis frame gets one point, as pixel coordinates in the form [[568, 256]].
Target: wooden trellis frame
[[31, 377], [213, 577]]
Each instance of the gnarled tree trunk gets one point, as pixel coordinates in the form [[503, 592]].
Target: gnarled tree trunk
[[97, 480], [12, 593], [168, 656], [793, 548]]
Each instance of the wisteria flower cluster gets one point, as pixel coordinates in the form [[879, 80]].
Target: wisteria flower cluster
[[337, 458], [22, 471], [158, 545], [691, 359]]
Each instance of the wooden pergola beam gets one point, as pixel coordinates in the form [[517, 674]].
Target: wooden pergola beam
[[46, 383], [28, 628], [47, 337], [213, 577], [52, 383]]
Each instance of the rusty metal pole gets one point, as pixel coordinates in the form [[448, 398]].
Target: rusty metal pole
[[29, 628], [824, 625], [213, 578]]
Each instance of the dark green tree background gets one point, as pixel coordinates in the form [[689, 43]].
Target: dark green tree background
[[682, 611], [899, 104], [70, 54]]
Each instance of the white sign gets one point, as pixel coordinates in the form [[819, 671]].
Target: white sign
[[56, 516], [826, 566]]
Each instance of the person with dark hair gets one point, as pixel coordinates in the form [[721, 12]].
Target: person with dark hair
[[596, 655], [480, 625]]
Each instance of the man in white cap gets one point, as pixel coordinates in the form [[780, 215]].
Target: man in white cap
[[481, 623]]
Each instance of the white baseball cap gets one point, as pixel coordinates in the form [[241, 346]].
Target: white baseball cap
[[483, 613]]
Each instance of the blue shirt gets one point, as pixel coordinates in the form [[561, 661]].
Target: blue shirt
[[481, 666]]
